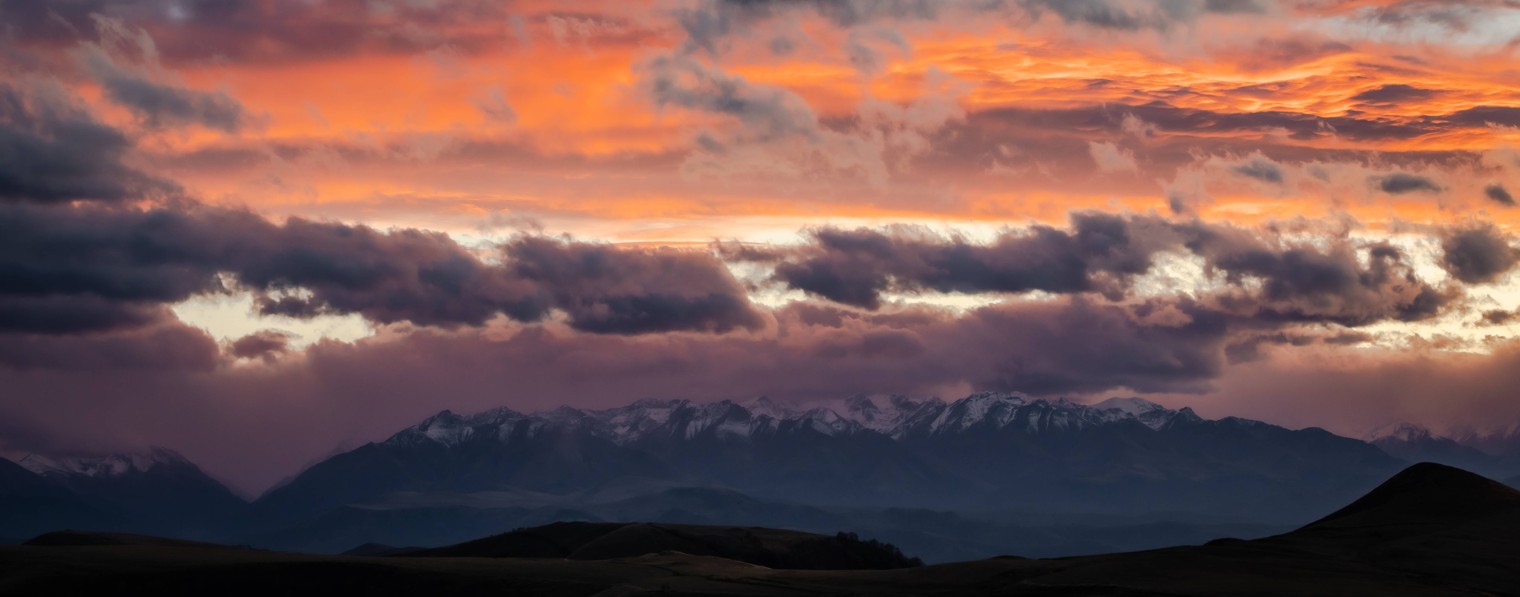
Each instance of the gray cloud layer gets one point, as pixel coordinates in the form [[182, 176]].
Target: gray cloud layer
[[97, 268], [1103, 253], [53, 151]]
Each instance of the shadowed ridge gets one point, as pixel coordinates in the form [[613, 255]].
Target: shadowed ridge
[[93, 539], [1425, 493], [773, 548], [379, 549], [556, 540]]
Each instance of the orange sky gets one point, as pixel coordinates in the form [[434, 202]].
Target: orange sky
[[556, 121]]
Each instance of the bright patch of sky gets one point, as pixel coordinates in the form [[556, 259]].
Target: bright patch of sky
[[231, 316]]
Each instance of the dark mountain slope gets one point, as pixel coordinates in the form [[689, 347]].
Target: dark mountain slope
[[32, 504], [1430, 530], [771, 548], [157, 492]]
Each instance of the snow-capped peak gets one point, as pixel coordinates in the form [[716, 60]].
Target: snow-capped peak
[[108, 465], [987, 408], [1149, 413], [765, 407], [897, 417], [1403, 432], [1129, 406]]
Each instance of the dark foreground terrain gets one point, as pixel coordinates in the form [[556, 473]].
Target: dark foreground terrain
[[1430, 530]]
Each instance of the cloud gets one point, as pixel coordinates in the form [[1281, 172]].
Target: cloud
[[53, 151], [1498, 194], [82, 268], [1111, 158], [766, 112], [164, 346], [264, 344], [608, 290], [493, 105], [1485, 116], [1251, 348], [1394, 94], [1400, 183], [772, 132], [1306, 283], [1269, 282], [1045, 347], [1260, 168], [855, 267], [1354, 391], [248, 32], [1121, 15], [1498, 317], [162, 105], [1478, 254]]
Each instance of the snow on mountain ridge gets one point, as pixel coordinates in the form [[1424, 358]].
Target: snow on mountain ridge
[[1151, 414], [895, 416], [1402, 432], [108, 465]]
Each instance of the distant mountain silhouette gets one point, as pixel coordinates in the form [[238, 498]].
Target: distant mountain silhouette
[[102, 539], [1418, 444], [759, 463], [156, 491], [31, 504], [761, 546], [1429, 530]]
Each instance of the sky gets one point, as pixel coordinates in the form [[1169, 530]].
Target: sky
[[259, 231]]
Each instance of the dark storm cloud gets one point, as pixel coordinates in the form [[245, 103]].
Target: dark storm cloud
[[1484, 116], [1400, 183], [1272, 283], [72, 314], [607, 290], [264, 344], [1250, 348], [1394, 94], [1308, 284], [160, 105], [52, 151], [1478, 254], [1080, 346], [855, 267], [70, 269], [1498, 194], [387, 277], [169, 346]]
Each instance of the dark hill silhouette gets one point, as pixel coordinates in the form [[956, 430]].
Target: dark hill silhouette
[[772, 548], [1430, 530], [94, 539], [1424, 494]]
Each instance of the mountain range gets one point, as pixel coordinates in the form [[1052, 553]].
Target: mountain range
[[1495, 454], [1428, 530], [989, 473], [156, 491]]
